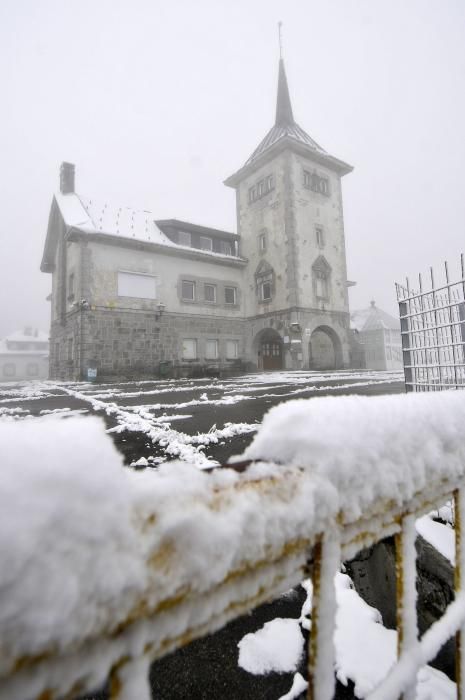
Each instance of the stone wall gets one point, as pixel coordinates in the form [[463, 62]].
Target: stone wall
[[133, 344]]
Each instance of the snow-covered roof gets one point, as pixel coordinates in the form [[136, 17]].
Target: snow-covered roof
[[92, 216], [28, 335], [293, 131], [372, 319]]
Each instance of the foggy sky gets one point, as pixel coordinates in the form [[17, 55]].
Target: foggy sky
[[158, 102]]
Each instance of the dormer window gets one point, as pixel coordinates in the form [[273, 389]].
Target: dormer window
[[261, 188], [184, 238], [206, 243]]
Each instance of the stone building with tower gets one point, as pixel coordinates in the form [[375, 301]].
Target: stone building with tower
[[135, 296]]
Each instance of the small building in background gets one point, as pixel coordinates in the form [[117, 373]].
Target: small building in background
[[24, 355], [379, 335]]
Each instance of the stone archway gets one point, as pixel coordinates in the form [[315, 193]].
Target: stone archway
[[325, 349], [268, 345]]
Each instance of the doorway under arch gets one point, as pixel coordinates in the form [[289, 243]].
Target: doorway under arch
[[325, 349], [269, 348]]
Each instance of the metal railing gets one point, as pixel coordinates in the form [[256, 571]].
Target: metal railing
[[433, 332], [160, 622]]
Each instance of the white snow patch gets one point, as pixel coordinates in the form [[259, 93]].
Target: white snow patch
[[277, 646], [299, 685]]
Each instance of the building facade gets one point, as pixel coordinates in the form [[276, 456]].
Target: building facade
[[133, 296], [24, 355], [379, 336]]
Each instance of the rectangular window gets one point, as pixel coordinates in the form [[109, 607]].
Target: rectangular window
[[188, 290], [320, 239], [266, 291], [189, 349], [70, 349], [211, 350], [262, 242], [206, 243], [184, 238], [232, 349], [230, 295], [261, 188], [139, 286], [321, 286], [210, 293]]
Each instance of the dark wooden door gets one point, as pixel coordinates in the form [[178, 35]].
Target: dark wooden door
[[272, 355]]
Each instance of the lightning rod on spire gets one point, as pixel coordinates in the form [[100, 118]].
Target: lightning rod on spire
[[280, 24]]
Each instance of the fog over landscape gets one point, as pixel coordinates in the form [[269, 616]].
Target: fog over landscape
[[158, 103]]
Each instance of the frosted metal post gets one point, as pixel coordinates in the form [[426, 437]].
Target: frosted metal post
[[326, 561], [407, 629]]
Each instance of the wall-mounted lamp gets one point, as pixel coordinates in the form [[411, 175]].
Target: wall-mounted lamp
[[160, 309]]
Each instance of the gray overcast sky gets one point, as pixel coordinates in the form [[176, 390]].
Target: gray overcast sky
[[157, 102]]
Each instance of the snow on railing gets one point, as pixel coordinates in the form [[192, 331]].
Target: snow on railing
[[105, 570]]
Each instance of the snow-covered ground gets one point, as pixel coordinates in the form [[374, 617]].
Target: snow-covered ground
[[365, 649], [208, 414], [343, 456]]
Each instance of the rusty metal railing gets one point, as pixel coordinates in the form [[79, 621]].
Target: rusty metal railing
[[166, 617]]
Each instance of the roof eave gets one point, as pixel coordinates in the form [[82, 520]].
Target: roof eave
[[331, 162]]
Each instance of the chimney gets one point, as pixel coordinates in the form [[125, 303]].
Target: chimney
[[67, 178]]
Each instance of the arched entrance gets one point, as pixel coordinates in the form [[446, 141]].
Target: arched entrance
[[269, 346], [325, 349]]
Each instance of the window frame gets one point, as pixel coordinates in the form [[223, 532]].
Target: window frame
[[320, 236], [207, 239], [236, 349], [194, 295], [216, 354], [195, 347], [132, 273], [211, 286], [188, 236], [234, 290]]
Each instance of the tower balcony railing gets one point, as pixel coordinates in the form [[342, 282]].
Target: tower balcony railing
[[135, 565]]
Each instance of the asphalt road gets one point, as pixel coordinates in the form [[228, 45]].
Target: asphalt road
[[164, 416]]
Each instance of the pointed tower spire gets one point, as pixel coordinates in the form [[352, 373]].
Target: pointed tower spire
[[284, 116]]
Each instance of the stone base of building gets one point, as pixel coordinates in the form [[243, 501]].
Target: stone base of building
[[107, 344]]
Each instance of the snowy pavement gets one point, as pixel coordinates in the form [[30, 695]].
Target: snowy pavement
[[202, 421]]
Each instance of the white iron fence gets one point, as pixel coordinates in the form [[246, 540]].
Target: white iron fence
[[433, 332]]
